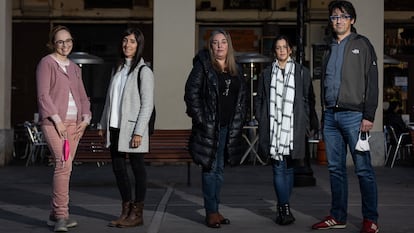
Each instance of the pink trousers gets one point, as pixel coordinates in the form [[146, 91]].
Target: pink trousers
[[63, 170]]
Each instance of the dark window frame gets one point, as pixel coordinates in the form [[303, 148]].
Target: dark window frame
[[247, 4]]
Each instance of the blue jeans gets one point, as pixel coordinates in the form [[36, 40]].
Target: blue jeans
[[341, 129], [213, 179], [282, 181]]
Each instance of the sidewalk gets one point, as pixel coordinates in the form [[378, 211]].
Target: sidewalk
[[248, 200]]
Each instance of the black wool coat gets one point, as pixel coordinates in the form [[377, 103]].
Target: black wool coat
[[201, 98], [305, 118]]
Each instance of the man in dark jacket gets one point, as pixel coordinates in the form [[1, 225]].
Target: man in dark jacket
[[349, 88]]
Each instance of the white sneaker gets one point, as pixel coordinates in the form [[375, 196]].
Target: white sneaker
[[69, 222], [60, 225]]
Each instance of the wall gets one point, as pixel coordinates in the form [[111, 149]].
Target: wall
[[370, 22], [174, 43], [6, 132]]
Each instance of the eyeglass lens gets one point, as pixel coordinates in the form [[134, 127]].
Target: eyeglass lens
[[62, 42], [342, 17]]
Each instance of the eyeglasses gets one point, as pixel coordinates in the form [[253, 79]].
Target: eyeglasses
[[342, 17], [60, 43]]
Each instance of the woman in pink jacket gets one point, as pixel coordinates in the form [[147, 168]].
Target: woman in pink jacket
[[65, 113]]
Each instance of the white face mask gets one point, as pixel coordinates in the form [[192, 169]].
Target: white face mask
[[363, 144]]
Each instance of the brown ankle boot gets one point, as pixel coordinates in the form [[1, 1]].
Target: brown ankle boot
[[213, 220], [223, 220], [124, 214], [135, 217]]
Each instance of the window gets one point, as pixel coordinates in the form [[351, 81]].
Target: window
[[247, 4], [108, 4]]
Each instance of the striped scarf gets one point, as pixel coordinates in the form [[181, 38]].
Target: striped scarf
[[282, 94]]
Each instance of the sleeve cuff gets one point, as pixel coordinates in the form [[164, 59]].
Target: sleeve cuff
[[56, 119], [86, 118]]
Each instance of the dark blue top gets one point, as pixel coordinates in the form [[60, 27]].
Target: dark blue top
[[333, 72]]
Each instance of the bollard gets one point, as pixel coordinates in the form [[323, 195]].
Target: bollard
[[321, 155]]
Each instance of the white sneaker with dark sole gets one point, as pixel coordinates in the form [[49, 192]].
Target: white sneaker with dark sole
[[69, 222], [60, 225]]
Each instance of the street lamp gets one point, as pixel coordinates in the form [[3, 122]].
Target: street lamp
[[83, 58]]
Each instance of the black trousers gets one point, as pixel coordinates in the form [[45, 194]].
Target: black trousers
[[119, 167]]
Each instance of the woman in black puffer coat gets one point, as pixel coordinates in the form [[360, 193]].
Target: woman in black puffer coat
[[215, 96]]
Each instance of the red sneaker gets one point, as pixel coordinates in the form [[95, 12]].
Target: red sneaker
[[328, 223], [369, 226]]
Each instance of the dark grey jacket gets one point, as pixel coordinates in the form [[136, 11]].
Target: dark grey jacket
[[305, 118], [201, 98], [359, 79]]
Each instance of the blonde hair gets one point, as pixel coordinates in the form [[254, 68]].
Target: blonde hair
[[230, 64]]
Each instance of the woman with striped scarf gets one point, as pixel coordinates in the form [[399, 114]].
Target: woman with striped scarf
[[284, 109]]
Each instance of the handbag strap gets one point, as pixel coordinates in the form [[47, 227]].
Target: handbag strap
[[139, 77]]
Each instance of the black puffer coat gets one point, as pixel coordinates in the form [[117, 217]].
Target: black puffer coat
[[201, 98]]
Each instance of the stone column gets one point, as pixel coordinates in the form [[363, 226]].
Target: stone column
[[174, 45], [6, 132], [370, 23]]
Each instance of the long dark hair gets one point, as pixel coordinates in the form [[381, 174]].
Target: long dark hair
[[139, 37]]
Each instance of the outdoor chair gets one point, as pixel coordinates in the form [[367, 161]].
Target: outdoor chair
[[36, 143], [394, 144]]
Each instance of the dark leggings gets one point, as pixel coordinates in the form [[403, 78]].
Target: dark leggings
[[119, 167]]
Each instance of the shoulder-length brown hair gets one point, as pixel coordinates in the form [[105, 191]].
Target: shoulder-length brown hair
[[230, 63], [288, 42], [52, 34]]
